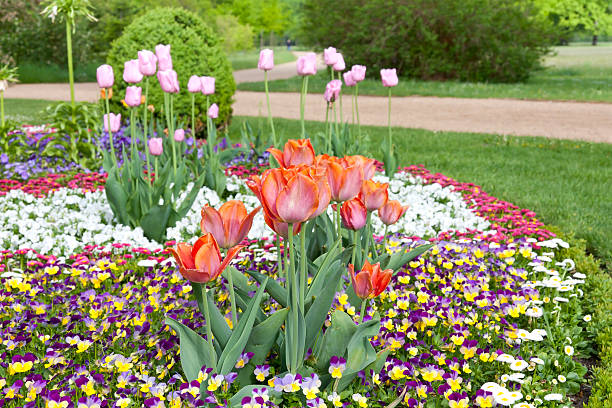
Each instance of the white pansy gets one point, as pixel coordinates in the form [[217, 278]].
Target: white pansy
[[553, 397], [505, 358], [519, 365]]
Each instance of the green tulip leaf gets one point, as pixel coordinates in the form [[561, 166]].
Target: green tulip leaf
[[154, 223], [275, 290], [195, 351], [335, 339]]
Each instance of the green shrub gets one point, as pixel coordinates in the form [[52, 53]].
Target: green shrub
[[196, 50], [468, 40]]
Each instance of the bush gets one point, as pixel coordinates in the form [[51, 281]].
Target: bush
[[196, 50], [468, 40], [236, 36]]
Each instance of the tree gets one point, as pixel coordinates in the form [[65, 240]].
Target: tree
[[569, 16]]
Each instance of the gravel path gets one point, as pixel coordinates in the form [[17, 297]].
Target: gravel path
[[562, 120]]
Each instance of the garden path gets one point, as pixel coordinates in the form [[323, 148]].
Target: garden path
[[563, 120]]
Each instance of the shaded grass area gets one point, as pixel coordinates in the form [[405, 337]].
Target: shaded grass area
[[579, 73], [33, 73], [567, 183], [26, 111], [249, 59]]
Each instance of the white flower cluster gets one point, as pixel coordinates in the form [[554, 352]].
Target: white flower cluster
[[68, 220]]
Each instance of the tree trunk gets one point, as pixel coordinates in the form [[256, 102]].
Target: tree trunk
[[594, 39]]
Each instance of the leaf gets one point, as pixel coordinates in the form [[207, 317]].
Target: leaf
[[195, 351], [400, 259], [247, 391], [220, 329], [241, 334], [188, 201], [275, 290], [154, 223], [117, 198], [360, 352], [335, 339]]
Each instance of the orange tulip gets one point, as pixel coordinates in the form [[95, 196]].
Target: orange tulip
[[286, 195], [354, 214], [374, 195], [202, 263], [282, 228], [391, 212], [344, 177], [370, 281], [368, 165], [230, 225], [295, 153]]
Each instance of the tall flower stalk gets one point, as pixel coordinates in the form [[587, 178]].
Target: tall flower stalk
[[274, 141], [6, 75]]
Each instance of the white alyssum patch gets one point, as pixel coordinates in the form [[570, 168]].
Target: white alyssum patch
[[68, 220]]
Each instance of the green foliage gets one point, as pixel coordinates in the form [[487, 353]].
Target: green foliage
[[469, 40], [196, 50], [570, 16], [68, 10], [236, 36], [263, 15]]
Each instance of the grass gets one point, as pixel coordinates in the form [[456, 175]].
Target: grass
[[33, 73], [249, 59], [579, 73], [566, 183], [26, 111]]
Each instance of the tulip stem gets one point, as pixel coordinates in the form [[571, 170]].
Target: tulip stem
[[279, 262], [2, 107], [304, 272], [327, 130], [133, 133], [339, 223], [171, 134], [193, 115], [145, 124], [389, 142], [354, 247], [362, 313], [269, 109], [70, 68], [303, 102], [384, 242], [230, 286], [209, 336], [366, 249], [340, 108], [357, 109], [293, 288], [108, 125]]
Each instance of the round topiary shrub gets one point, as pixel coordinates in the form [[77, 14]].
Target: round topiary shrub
[[195, 50]]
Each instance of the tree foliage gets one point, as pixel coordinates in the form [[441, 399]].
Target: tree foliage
[[569, 16]]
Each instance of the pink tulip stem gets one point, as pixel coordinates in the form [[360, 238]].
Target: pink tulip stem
[[171, 133], [145, 124], [209, 336], [354, 254], [339, 222], [327, 129], [303, 102], [70, 68], [389, 141], [108, 125], [230, 287], [357, 109], [279, 259], [364, 303], [155, 164], [293, 289], [384, 241], [133, 133], [336, 121], [303, 272], [371, 243], [274, 141], [193, 115], [331, 70], [2, 107], [340, 108]]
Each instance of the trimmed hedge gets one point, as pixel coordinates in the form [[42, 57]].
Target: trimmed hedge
[[195, 50], [467, 40]]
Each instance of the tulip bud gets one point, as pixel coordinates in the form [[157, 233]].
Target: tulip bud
[[391, 212], [131, 72], [330, 56], [371, 281], [213, 111], [195, 84], [147, 62], [266, 60], [348, 79], [156, 146], [374, 195], [354, 214], [332, 90], [358, 72], [389, 77], [115, 122], [133, 96], [339, 66], [208, 85], [168, 81], [164, 60], [105, 76], [179, 135], [307, 64]]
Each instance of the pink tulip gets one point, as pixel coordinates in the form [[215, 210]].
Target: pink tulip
[[105, 77], [164, 60], [266, 60], [194, 85], [213, 111], [179, 135], [307, 64], [330, 55], [156, 146], [389, 77], [168, 81], [208, 85], [353, 214], [359, 72], [349, 80], [131, 72], [115, 122], [133, 95], [147, 62], [339, 66], [332, 90]]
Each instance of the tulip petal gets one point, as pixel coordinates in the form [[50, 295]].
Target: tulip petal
[[232, 213], [298, 200], [212, 222], [381, 281], [246, 225], [182, 255], [231, 254], [363, 285], [271, 187], [208, 261], [352, 180], [278, 155]]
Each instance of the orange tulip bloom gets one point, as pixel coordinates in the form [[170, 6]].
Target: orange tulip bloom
[[344, 177], [374, 195], [202, 263], [282, 228], [354, 214], [391, 212], [370, 281], [286, 195], [295, 153], [367, 165], [230, 225]]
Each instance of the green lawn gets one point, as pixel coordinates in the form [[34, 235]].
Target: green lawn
[[580, 73], [249, 59], [26, 111], [566, 183], [34, 73]]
